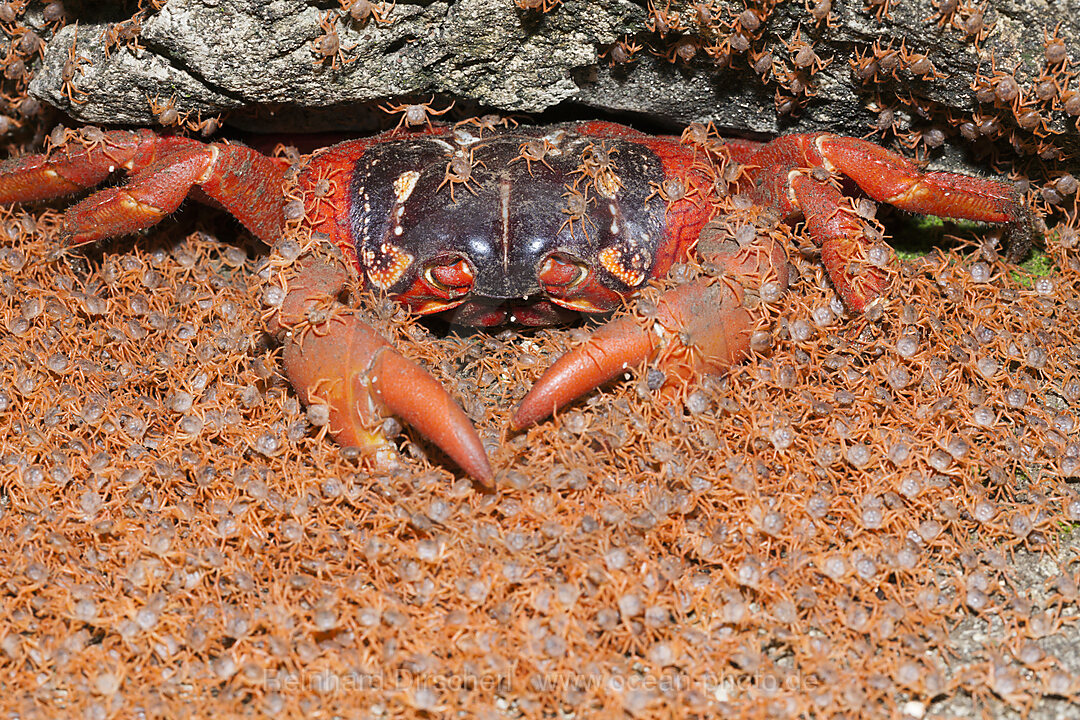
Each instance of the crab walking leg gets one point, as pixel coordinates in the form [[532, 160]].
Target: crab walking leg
[[73, 169], [347, 365], [891, 178], [888, 177], [164, 170], [783, 173], [702, 327], [843, 242], [345, 361]]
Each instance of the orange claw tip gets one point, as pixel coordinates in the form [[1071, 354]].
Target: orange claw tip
[[611, 350], [529, 412], [409, 392]]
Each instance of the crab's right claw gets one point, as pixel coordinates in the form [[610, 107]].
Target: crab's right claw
[[344, 363], [699, 328]]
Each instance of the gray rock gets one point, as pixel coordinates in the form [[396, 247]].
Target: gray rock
[[255, 56], [258, 62]]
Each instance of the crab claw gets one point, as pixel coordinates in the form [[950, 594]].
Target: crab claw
[[702, 327], [342, 362]]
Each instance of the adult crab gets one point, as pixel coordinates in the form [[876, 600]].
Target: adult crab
[[502, 224]]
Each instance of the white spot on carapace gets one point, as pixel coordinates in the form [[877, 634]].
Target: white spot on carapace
[[403, 186], [614, 227], [614, 261], [464, 137], [556, 138], [398, 230], [386, 267], [607, 184]]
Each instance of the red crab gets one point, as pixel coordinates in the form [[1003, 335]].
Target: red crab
[[514, 225]]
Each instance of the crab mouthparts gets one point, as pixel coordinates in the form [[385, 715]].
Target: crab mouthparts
[[494, 313]]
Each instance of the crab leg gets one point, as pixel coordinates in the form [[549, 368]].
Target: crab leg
[[164, 170], [843, 244], [701, 327], [344, 363], [892, 178], [785, 176]]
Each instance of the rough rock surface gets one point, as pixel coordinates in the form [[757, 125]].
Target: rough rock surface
[[258, 61]]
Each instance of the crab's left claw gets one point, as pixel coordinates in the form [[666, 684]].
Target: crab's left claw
[[702, 327], [341, 361]]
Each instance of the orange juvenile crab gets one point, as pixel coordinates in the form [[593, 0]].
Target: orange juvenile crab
[[503, 252]]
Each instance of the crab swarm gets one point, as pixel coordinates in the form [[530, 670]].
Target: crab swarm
[[844, 528]]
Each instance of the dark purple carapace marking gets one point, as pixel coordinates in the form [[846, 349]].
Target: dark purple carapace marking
[[506, 221]]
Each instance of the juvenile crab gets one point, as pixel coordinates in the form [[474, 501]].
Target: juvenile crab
[[545, 222]]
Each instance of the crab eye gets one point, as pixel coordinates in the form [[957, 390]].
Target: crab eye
[[560, 271], [451, 275]]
